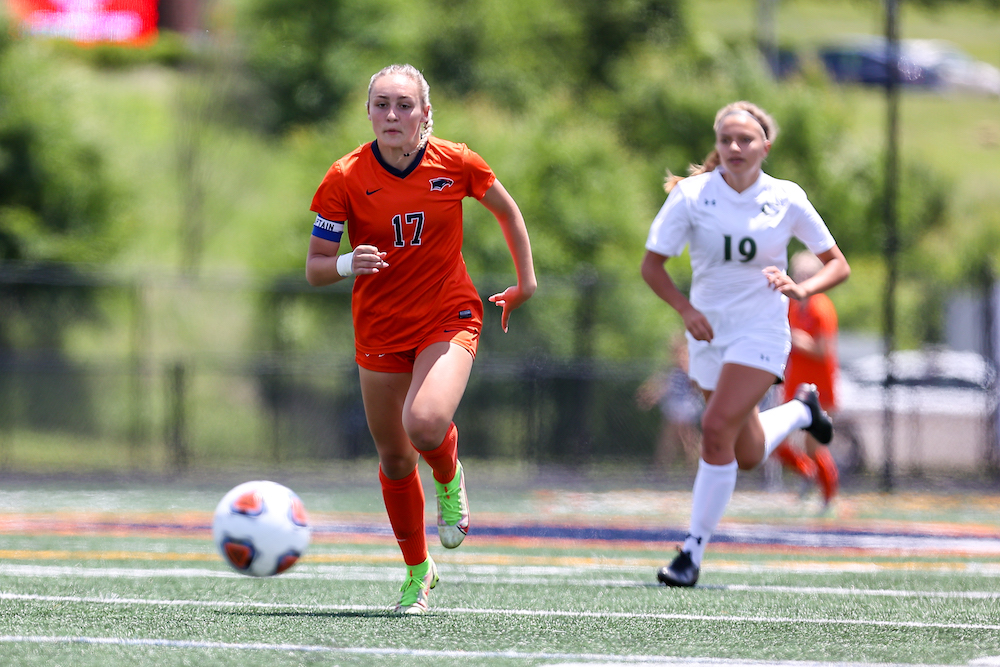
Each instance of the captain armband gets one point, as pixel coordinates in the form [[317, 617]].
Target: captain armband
[[329, 230]]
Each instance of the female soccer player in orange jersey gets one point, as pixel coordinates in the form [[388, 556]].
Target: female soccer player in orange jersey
[[417, 315]]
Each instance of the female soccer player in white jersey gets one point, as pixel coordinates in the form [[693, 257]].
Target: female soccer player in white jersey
[[738, 222]]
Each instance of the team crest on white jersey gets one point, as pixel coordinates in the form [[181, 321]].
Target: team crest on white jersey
[[772, 205], [439, 184]]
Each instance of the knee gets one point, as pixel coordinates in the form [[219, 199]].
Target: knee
[[715, 433], [717, 440], [425, 431], [397, 465]]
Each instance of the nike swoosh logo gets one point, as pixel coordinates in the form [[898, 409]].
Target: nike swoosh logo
[[371, 192]]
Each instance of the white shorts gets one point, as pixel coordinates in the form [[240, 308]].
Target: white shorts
[[764, 351]]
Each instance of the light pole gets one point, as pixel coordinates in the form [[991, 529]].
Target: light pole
[[767, 33], [891, 246]]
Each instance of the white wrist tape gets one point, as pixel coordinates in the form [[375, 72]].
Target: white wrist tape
[[345, 264]]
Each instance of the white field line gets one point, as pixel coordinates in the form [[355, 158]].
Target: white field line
[[493, 563], [863, 592], [476, 574], [590, 658], [539, 613]]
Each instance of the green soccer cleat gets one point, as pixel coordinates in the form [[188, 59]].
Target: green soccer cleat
[[453, 510], [420, 579]]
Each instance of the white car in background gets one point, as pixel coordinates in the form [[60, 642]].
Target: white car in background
[[954, 69], [930, 367], [941, 399]]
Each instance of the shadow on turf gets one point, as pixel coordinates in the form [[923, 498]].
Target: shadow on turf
[[375, 613]]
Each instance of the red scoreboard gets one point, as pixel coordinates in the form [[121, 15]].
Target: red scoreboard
[[88, 21]]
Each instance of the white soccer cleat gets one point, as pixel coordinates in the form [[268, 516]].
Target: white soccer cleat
[[453, 510]]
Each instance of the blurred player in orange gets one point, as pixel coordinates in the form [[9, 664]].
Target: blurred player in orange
[[813, 359], [417, 316]]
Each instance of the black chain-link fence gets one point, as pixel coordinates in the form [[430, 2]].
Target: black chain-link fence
[[169, 373], [165, 373]]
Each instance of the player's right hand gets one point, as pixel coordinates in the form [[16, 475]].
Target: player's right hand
[[697, 324], [368, 260]]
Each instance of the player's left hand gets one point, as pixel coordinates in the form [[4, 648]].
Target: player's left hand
[[509, 299], [781, 281]]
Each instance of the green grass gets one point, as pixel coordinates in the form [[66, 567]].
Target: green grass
[[806, 24], [115, 575]]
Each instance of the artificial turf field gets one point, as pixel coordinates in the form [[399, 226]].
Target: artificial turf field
[[126, 574]]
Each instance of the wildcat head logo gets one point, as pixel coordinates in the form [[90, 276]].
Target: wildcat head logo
[[438, 184], [773, 206]]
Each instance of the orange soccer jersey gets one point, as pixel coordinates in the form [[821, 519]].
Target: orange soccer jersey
[[817, 317], [416, 217]]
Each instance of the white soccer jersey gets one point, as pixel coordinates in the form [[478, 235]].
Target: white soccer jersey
[[733, 236]]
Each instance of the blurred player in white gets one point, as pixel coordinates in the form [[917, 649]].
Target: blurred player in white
[[737, 222], [680, 404]]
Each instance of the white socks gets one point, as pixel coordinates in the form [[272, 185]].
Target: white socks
[[781, 421], [713, 487]]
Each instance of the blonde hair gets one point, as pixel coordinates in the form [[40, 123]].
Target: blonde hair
[[764, 119], [411, 72]]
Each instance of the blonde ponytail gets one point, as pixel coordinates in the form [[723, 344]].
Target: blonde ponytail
[[711, 162]]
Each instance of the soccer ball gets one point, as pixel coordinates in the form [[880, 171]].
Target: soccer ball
[[261, 528]]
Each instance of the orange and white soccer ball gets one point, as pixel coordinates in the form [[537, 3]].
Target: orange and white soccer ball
[[261, 528]]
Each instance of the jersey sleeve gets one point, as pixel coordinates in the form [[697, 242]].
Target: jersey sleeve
[[330, 200], [809, 226], [671, 228], [479, 176]]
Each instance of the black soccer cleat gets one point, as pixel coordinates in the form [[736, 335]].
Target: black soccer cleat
[[821, 427], [681, 572]]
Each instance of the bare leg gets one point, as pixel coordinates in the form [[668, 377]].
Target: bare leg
[[384, 395], [440, 375], [730, 426]]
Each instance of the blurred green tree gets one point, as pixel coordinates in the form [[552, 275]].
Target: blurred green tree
[[306, 55], [54, 199], [54, 205]]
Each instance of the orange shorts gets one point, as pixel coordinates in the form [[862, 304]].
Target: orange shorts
[[462, 335]]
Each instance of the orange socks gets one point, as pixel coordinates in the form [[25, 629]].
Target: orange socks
[[796, 459], [404, 498], [443, 459], [404, 502], [820, 467], [827, 476]]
